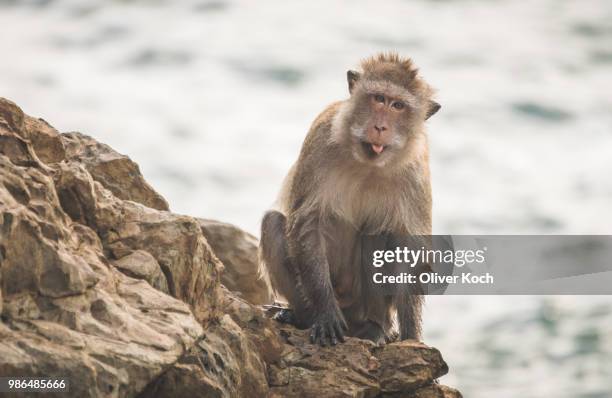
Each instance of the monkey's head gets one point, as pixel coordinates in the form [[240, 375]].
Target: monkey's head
[[388, 105]]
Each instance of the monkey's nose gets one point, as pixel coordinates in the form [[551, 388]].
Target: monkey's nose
[[380, 129]]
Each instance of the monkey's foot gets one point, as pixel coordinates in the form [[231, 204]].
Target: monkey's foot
[[392, 337], [328, 327]]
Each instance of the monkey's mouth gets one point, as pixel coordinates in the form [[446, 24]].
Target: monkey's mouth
[[373, 150]]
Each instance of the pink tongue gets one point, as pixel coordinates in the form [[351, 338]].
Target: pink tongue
[[377, 148]]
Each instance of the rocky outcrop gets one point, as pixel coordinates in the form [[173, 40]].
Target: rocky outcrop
[[116, 172], [65, 309], [237, 250], [100, 283]]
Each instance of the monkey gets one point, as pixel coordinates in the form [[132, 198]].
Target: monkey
[[361, 182]]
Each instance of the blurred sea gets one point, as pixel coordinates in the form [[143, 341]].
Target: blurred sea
[[213, 98]]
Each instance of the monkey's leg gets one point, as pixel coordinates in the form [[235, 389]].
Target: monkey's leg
[[409, 297], [409, 315], [375, 303], [283, 276], [307, 248]]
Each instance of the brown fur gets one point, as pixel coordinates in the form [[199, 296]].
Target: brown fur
[[339, 199]]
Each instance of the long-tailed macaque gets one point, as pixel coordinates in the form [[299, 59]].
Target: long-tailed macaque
[[361, 182]]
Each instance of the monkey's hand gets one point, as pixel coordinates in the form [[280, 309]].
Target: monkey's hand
[[329, 326]]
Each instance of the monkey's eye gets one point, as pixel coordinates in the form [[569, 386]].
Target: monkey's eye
[[379, 98], [399, 105]]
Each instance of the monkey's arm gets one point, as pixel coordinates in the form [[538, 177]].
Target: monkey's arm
[[307, 250]]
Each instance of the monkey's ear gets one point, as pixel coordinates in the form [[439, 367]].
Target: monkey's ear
[[352, 77], [432, 109]]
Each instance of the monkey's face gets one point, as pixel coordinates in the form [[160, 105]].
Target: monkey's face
[[381, 126], [387, 109]]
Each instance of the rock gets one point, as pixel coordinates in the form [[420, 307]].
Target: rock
[[11, 116], [356, 368], [102, 355], [141, 265], [408, 365], [45, 140], [87, 255], [262, 330], [32, 235], [306, 370], [116, 172], [75, 190], [175, 242], [223, 363], [65, 309], [433, 391], [17, 149], [237, 250]]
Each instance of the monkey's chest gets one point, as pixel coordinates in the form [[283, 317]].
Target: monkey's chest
[[370, 209]]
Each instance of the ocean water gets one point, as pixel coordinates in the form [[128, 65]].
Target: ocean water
[[213, 98]]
